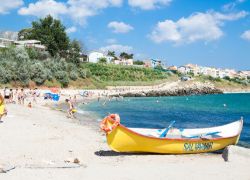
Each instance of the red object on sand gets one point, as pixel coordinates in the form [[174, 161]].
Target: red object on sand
[[54, 90]]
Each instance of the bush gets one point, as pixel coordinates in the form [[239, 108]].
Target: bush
[[38, 73], [82, 73], [62, 77], [73, 75], [102, 60], [3, 77], [23, 74], [33, 53], [21, 55], [52, 83], [138, 62]]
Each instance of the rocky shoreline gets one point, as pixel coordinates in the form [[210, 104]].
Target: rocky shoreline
[[180, 90]]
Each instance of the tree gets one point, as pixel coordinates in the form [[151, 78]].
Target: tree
[[111, 53], [124, 55], [102, 60], [138, 62], [74, 52], [24, 34], [159, 67], [51, 33]]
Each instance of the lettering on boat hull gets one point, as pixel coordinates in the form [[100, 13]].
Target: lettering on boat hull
[[204, 146]]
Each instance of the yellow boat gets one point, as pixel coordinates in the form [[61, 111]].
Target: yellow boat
[[170, 140]]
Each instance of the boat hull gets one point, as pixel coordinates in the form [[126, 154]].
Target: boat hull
[[121, 139]]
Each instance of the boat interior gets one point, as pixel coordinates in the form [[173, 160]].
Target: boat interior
[[228, 130]]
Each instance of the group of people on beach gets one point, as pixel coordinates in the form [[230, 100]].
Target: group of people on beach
[[17, 96]]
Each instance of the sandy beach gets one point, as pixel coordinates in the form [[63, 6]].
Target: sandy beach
[[41, 143]]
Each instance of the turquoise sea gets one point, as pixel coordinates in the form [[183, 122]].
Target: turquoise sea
[[187, 111]]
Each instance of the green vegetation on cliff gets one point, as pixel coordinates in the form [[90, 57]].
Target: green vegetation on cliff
[[27, 67]]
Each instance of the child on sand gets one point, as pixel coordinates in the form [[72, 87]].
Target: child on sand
[[3, 110], [71, 109]]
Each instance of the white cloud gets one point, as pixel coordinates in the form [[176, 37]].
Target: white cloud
[[111, 41], [7, 5], [71, 30], [148, 4], [198, 26], [120, 27], [231, 6], [118, 48], [78, 10], [44, 7], [246, 35], [231, 16]]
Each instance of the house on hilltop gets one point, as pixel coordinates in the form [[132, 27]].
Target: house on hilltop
[[4, 43], [31, 44], [95, 56]]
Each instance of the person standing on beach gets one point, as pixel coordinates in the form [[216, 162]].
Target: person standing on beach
[[6, 94], [34, 95], [11, 96], [3, 110], [15, 96], [71, 109], [21, 96]]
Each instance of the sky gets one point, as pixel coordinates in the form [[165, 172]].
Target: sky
[[204, 32]]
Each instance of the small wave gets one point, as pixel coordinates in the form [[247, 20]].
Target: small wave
[[79, 111], [99, 120]]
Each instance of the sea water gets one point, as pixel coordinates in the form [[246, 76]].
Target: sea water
[[188, 111]]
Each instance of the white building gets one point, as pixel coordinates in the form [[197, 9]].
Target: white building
[[126, 62], [109, 58], [94, 57], [155, 63], [184, 69], [31, 44], [6, 42], [26, 43]]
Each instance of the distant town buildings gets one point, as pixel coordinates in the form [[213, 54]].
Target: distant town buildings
[[95, 56], [196, 70], [126, 62], [155, 63]]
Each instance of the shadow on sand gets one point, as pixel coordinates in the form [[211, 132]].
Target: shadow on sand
[[113, 153], [104, 153]]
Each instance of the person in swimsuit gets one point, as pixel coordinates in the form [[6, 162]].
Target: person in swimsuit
[[21, 97], [11, 96], [71, 109], [6, 94], [3, 110], [16, 96]]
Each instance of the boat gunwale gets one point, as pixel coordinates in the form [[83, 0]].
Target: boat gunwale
[[178, 139]]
